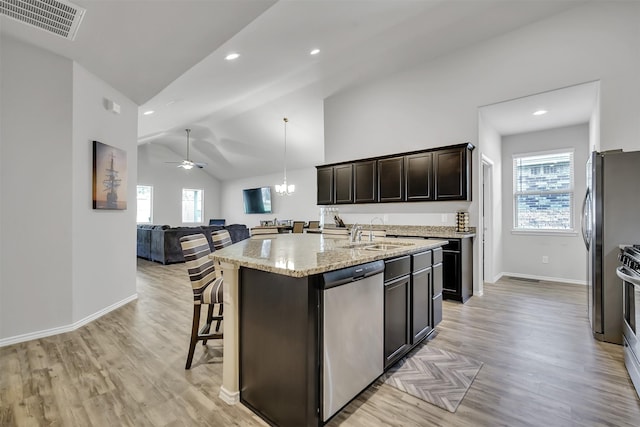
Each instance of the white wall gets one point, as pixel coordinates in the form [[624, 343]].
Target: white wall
[[36, 168], [168, 181], [300, 206], [436, 104], [104, 245], [523, 252], [490, 152], [62, 263]]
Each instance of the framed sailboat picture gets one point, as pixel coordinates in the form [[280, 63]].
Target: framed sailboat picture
[[109, 177]]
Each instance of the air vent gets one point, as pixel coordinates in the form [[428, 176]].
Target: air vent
[[58, 17]]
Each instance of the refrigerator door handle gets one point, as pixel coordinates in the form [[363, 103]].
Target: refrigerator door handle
[[584, 219]]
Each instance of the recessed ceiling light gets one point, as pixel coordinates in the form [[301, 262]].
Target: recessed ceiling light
[[314, 52], [148, 113], [540, 112], [232, 56]]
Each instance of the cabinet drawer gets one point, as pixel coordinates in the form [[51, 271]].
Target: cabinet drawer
[[397, 267], [437, 255], [453, 245], [421, 260]]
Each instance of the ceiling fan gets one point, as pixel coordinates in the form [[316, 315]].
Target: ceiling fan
[[188, 163]]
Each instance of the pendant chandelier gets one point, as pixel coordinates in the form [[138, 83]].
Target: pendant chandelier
[[285, 189]]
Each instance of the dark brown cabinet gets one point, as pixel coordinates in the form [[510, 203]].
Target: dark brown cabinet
[[343, 183], [391, 179], [325, 185], [419, 176], [452, 174], [436, 294], [420, 304], [457, 270], [397, 277], [396, 319], [436, 174], [411, 309], [365, 173]]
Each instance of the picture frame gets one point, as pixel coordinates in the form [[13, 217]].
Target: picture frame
[[109, 177]]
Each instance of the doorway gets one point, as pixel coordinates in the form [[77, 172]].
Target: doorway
[[487, 220]]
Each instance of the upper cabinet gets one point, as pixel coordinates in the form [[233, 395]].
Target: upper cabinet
[[391, 179], [343, 183], [325, 185], [419, 176], [436, 174], [365, 174], [452, 169]]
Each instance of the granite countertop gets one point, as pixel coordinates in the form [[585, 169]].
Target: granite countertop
[[443, 232], [301, 255]]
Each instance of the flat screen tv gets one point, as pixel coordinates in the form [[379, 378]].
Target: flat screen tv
[[257, 200]]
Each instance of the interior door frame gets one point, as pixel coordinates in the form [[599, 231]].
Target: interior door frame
[[486, 229]]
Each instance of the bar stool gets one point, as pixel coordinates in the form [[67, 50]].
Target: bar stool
[[207, 290]]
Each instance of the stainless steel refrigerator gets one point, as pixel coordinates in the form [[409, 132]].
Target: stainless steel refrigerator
[[610, 217]]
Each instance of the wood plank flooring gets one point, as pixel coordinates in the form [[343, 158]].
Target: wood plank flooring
[[541, 367]]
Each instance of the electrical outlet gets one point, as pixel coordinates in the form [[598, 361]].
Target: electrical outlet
[[443, 218], [545, 259]]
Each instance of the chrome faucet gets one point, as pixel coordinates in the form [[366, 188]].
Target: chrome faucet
[[371, 226], [355, 233]]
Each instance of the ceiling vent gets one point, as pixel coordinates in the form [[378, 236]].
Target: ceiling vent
[[58, 17]]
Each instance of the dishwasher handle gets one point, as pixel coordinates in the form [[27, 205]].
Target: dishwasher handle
[[335, 278]]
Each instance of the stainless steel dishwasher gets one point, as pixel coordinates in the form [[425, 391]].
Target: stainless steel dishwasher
[[353, 333]]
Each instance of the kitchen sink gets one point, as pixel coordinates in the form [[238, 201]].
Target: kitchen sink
[[383, 247], [371, 246]]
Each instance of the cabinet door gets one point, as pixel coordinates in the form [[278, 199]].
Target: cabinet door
[[325, 185], [396, 319], [451, 274], [419, 176], [436, 300], [343, 179], [420, 304], [437, 279], [365, 182], [391, 179], [452, 172]]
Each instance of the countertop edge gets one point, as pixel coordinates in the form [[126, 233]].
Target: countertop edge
[[365, 257]]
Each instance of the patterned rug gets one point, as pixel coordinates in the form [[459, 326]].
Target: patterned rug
[[439, 377]]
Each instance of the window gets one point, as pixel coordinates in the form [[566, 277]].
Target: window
[[192, 205], [145, 204], [543, 191]]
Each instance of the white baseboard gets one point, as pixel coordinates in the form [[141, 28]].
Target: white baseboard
[[495, 279], [545, 278], [67, 328], [230, 398]]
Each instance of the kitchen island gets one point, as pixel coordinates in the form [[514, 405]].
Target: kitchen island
[[299, 309]]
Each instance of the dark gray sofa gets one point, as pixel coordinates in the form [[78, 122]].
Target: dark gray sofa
[[161, 243]]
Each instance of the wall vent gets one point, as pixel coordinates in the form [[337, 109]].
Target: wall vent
[[54, 16]]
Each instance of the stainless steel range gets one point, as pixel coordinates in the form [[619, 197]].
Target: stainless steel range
[[629, 272]]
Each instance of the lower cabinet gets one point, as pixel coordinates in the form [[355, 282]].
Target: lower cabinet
[[397, 282], [437, 280], [396, 319], [412, 301], [458, 269], [420, 304]]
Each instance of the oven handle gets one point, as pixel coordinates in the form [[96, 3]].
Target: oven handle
[[583, 219], [621, 274]]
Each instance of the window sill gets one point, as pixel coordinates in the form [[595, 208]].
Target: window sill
[[559, 233]]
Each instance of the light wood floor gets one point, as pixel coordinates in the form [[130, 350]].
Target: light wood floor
[[541, 367]]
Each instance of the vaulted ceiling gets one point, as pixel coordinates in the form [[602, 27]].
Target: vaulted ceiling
[[169, 56]]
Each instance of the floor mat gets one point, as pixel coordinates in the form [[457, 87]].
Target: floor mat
[[439, 377]]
